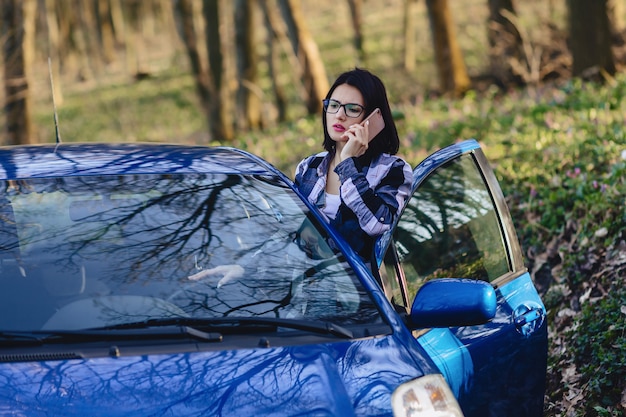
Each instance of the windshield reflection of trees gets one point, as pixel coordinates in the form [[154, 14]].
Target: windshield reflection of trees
[[146, 234]]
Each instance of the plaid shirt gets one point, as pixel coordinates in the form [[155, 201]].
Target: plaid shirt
[[372, 194]]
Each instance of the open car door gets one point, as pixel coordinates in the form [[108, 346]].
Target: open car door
[[457, 225]]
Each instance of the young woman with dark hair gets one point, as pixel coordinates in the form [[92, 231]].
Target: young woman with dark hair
[[359, 185]]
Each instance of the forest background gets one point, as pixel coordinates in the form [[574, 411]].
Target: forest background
[[540, 83]]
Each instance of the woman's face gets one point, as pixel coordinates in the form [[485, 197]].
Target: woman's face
[[337, 123]]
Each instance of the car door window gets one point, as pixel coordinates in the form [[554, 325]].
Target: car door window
[[450, 228]]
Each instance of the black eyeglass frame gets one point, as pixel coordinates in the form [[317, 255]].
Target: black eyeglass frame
[[345, 109]]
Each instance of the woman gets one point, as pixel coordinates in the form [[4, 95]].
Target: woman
[[359, 185]]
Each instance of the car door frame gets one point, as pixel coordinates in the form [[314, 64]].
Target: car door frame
[[440, 158], [515, 291]]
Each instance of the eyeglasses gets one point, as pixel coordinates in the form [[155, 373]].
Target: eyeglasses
[[351, 109]]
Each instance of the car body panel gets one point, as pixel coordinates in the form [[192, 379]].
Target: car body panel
[[451, 357], [45, 161], [506, 359], [341, 378]]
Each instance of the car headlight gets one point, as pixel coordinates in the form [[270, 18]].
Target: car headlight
[[426, 396]]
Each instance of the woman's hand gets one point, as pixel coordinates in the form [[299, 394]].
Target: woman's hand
[[228, 272], [357, 141]]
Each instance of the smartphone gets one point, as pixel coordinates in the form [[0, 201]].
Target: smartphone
[[377, 124]]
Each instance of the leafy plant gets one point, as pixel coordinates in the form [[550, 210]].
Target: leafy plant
[[599, 351]]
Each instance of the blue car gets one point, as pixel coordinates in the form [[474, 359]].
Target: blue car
[[163, 280]]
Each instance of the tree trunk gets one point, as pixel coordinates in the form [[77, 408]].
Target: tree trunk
[[105, 27], [64, 24], [54, 47], [146, 18], [590, 38], [249, 94], [356, 15], [29, 42], [410, 26], [135, 43], [88, 45], [194, 45], [220, 113], [166, 19], [71, 42], [453, 77], [616, 10], [314, 74], [18, 24], [275, 38], [75, 24], [117, 20], [505, 42]]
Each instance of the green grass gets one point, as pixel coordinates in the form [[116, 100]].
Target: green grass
[[161, 109]]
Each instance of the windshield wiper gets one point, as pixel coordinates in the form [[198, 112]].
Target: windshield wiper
[[240, 323], [20, 337], [173, 331]]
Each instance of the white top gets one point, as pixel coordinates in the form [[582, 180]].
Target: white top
[[332, 205]]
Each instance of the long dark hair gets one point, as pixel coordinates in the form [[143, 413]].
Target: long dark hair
[[375, 95]]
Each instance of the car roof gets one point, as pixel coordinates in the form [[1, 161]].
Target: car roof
[[74, 159]]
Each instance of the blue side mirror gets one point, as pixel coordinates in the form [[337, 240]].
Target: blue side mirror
[[453, 302]]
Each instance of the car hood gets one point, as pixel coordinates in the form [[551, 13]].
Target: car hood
[[342, 378]]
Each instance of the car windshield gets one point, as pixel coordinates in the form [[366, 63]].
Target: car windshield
[[94, 251]]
